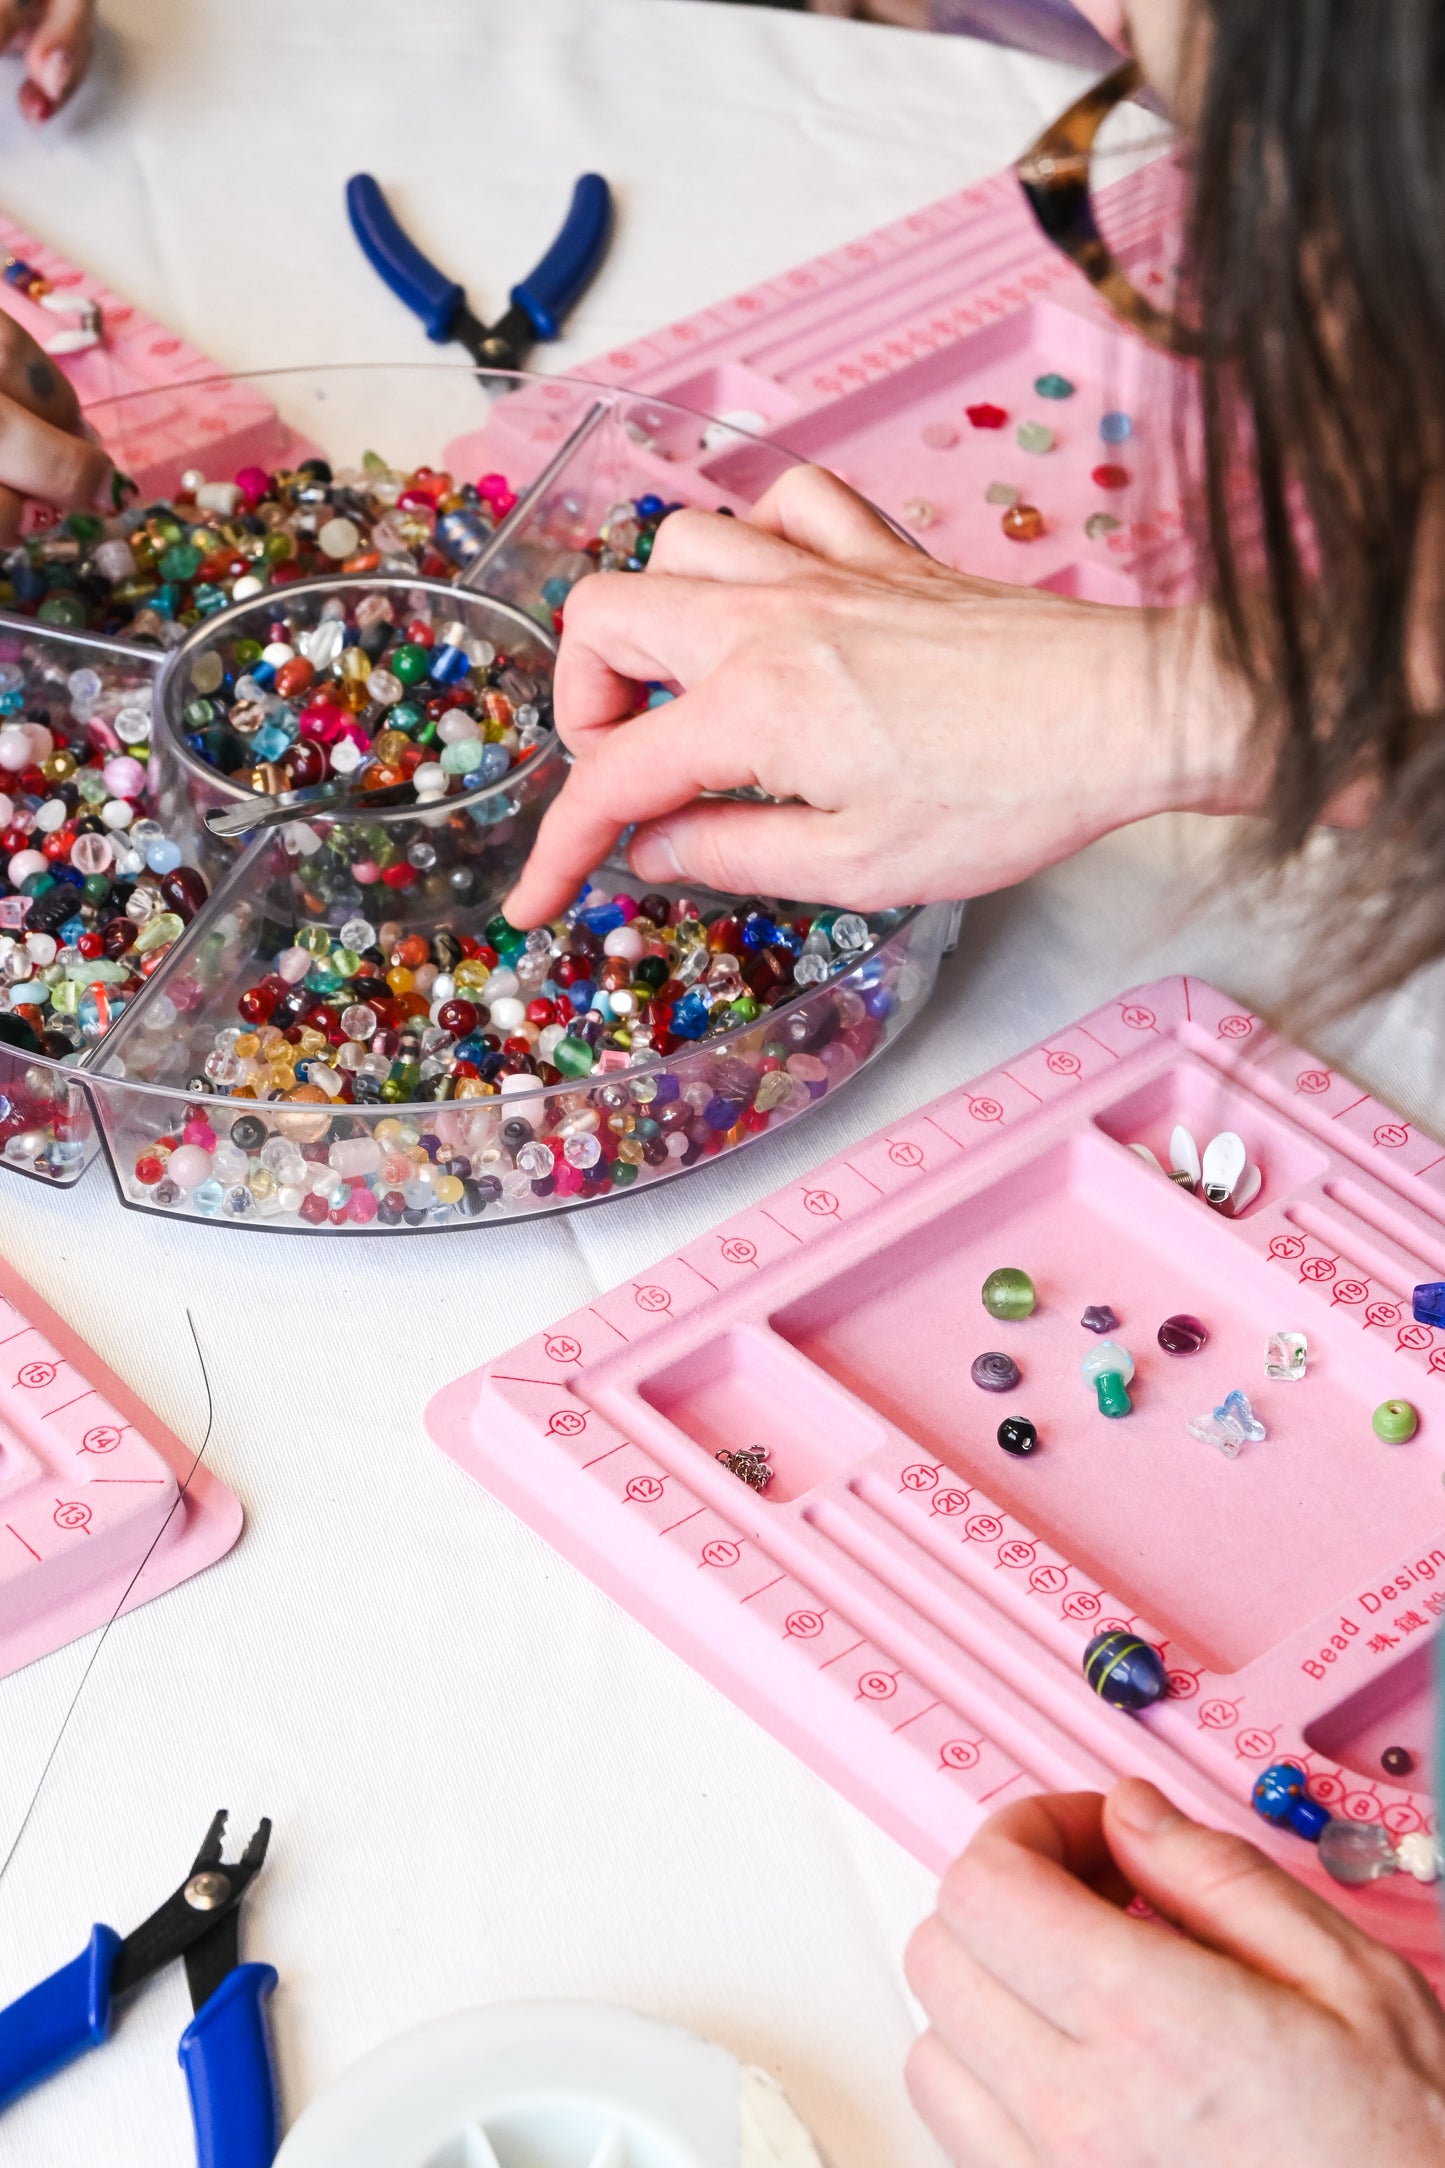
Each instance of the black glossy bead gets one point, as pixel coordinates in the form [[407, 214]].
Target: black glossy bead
[[1397, 1761], [1016, 1434]]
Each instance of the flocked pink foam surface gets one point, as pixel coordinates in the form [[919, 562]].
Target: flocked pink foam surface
[[907, 1606]]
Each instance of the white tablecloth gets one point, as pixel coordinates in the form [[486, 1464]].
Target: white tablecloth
[[487, 1782]]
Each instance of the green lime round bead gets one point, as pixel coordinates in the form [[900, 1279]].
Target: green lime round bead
[[1009, 1293], [62, 609], [1395, 1421], [409, 662]]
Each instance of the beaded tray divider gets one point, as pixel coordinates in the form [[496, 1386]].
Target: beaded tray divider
[[906, 1605], [101, 1506]]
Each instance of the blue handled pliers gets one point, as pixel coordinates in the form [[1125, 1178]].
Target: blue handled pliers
[[224, 2050], [539, 302]]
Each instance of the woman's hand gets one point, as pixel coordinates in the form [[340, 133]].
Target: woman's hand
[[43, 452], [1269, 2031], [942, 735], [56, 37]]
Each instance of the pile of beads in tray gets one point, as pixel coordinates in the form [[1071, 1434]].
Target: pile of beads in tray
[[95, 891], [359, 694], [465, 1035], [152, 572]]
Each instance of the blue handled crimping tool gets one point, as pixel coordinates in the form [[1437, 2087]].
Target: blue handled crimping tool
[[224, 2050], [539, 302]]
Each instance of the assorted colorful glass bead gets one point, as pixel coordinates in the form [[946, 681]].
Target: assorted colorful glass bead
[[94, 890], [374, 690], [348, 1021], [151, 572]]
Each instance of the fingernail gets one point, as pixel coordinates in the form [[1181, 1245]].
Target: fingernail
[[52, 72], [115, 492], [1141, 1808], [33, 102], [653, 858]]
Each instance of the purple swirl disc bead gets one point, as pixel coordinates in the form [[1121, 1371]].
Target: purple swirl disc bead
[[995, 1372], [1182, 1335]]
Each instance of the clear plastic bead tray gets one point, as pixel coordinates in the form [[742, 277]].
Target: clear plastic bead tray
[[857, 360], [905, 1604]]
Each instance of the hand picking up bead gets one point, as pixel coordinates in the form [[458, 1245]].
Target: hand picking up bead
[[1232, 1424]]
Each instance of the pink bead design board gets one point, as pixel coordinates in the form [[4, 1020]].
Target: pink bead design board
[[99, 1501], [866, 360], [906, 1606], [216, 423]]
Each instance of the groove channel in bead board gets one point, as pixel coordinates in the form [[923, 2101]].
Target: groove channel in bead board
[[1396, 1707], [1225, 1556]]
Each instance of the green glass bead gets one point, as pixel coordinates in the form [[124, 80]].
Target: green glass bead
[[1113, 1393], [406, 715], [1395, 1421], [409, 662], [200, 714], [1053, 386], [622, 1174], [1009, 1293], [96, 887], [1035, 437], [1100, 524], [500, 932], [245, 652], [85, 527], [180, 562], [573, 1057], [62, 609]]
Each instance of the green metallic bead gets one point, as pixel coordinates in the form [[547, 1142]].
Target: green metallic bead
[[1113, 1393], [1009, 1293], [1395, 1421], [406, 715], [409, 662]]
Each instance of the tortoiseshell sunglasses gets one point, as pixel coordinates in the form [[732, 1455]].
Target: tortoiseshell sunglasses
[[1055, 177]]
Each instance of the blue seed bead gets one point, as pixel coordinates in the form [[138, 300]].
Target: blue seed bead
[[1124, 1670], [264, 674], [1308, 1819], [1428, 1303], [647, 507]]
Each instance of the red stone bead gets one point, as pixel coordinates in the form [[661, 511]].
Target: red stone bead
[[314, 1209], [294, 677], [306, 764], [1110, 477], [184, 891], [401, 875], [985, 416], [255, 1005], [91, 944]]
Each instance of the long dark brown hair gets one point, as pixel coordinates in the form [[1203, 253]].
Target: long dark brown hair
[[1316, 277]]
